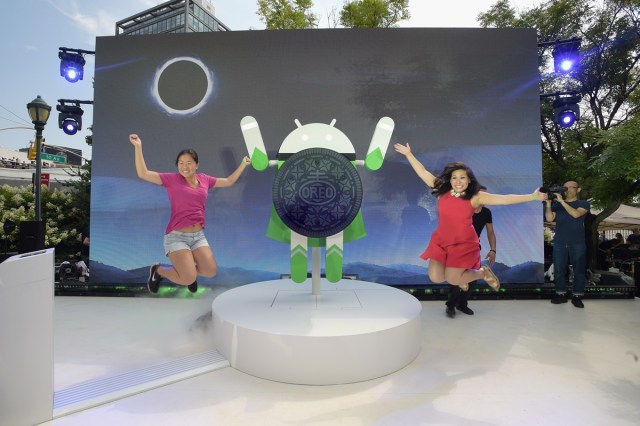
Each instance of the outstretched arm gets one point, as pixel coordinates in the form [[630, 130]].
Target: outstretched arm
[[233, 177], [422, 173], [141, 166], [489, 199]]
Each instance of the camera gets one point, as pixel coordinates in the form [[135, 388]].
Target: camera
[[553, 191]]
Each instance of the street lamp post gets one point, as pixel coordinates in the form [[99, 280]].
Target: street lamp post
[[39, 112]]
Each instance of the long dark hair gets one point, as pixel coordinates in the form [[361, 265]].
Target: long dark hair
[[442, 184], [187, 151]]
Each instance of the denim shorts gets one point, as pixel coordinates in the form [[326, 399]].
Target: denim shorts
[[176, 240]]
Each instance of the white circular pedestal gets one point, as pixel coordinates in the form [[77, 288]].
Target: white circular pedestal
[[351, 332]]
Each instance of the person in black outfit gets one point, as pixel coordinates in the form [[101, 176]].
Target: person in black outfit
[[633, 239], [460, 299], [569, 242]]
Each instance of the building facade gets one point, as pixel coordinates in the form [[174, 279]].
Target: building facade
[[175, 16]]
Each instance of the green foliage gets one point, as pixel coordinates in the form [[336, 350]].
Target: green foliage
[[374, 13], [287, 14], [80, 192], [89, 138], [608, 81], [17, 205], [500, 15], [65, 212], [620, 147], [296, 14]]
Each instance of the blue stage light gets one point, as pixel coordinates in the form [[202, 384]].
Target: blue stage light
[[566, 65], [70, 118], [71, 74], [567, 118], [71, 66], [70, 126], [566, 110], [566, 55]]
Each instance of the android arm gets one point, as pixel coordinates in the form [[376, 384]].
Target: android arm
[[255, 144], [379, 144]]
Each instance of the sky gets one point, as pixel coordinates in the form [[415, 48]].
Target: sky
[[33, 31]]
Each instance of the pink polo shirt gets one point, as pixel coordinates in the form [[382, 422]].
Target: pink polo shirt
[[187, 203]]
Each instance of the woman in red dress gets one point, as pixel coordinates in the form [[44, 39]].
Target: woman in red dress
[[454, 249]]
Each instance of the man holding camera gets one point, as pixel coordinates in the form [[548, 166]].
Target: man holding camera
[[569, 245]]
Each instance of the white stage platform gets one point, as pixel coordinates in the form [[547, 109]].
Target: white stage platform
[[515, 362], [352, 331]]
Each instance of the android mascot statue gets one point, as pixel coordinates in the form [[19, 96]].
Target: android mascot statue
[[317, 191]]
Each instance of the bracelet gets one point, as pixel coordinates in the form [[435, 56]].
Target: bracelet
[[535, 196], [494, 251]]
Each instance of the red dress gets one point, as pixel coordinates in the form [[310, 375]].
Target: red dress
[[454, 243]]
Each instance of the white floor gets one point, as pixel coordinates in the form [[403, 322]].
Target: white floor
[[524, 362]]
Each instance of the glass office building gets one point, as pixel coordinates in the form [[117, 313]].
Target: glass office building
[[175, 16]]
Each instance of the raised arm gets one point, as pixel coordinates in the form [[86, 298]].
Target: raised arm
[[233, 177], [489, 199], [422, 173], [575, 213], [549, 215], [141, 166], [255, 144]]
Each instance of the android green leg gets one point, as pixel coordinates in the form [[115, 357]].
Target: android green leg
[[333, 258], [299, 258]]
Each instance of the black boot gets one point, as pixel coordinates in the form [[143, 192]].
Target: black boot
[[463, 300], [452, 300]]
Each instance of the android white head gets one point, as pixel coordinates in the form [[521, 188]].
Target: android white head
[[316, 135]]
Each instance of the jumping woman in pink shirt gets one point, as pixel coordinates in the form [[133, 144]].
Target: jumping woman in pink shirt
[[184, 241]]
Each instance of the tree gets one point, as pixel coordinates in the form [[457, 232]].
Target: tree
[[287, 14], [80, 197], [89, 138], [620, 146], [80, 190], [16, 204], [591, 152], [374, 13]]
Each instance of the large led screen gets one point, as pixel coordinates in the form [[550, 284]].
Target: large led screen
[[467, 95]]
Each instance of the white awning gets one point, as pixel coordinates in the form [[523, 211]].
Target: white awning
[[626, 217]]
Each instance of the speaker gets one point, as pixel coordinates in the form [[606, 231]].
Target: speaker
[[31, 236]]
